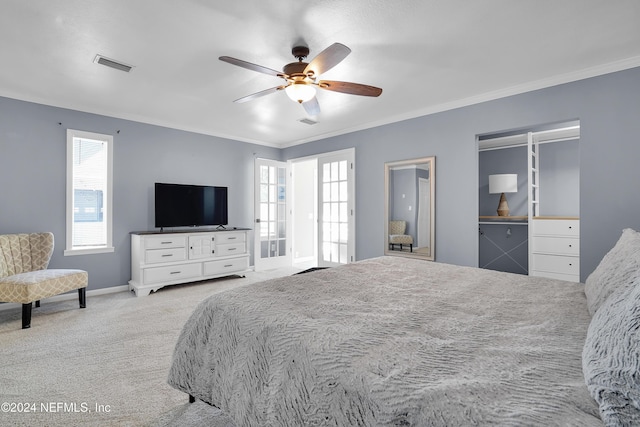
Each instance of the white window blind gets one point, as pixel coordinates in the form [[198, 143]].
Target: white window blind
[[88, 192]]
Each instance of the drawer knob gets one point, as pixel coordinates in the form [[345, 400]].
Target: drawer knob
[[570, 246]]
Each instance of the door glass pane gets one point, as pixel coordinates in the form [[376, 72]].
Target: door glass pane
[[344, 232], [343, 191], [335, 211], [343, 254], [273, 210], [326, 251]]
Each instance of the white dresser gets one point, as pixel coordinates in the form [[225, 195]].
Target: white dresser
[[555, 248], [161, 259]]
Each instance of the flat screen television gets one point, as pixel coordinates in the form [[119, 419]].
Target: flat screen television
[[180, 205]]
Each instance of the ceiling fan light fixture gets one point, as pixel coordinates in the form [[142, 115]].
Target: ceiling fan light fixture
[[300, 91]]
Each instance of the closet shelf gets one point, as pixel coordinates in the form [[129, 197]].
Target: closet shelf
[[495, 219]]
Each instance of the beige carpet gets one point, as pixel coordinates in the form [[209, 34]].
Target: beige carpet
[[106, 364]]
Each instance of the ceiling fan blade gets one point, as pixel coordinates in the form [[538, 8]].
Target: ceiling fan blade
[[250, 66], [350, 88], [312, 107], [328, 58], [259, 94]]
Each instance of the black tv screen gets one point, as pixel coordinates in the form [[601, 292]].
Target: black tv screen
[[180, 205]]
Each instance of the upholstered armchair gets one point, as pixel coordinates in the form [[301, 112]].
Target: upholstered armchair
[[396, 235], [24, 277]]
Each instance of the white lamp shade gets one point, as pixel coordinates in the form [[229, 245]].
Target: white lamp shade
[[300, 92], [503, 183]]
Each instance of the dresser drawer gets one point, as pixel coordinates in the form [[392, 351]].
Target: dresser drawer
[[165, 255], [168, 241], [231, 249], [556, 264], [231, 238], [171, 273], [228, 266], [559, 276], [556, 227], [556, 245]]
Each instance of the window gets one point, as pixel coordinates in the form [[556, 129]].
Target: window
[[89, 183]]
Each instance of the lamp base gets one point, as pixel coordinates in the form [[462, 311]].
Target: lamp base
[[503, 207]]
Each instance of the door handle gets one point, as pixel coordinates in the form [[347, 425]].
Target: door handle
[[257, 219]]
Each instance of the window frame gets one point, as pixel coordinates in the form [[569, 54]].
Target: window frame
[[108, 197]]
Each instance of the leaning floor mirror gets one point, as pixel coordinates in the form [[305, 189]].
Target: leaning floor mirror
[[409, 189]]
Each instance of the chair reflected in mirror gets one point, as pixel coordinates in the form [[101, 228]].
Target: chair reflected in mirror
[[397, 229]]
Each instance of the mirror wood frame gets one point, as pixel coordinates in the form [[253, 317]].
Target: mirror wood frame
[[409, 163]]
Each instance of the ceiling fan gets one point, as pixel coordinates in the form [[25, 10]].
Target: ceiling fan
[[301, 77]]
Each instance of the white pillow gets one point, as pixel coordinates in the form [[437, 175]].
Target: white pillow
[[617, 269], [611, 357]]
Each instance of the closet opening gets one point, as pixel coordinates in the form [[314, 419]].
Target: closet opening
[[535, 173]]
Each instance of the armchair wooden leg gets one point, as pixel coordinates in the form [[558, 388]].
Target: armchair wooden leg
[[37, 303], [26, 316], [82, 297]]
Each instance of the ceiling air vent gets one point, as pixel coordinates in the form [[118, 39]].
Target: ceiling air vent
[[99, 59], [307, 121]]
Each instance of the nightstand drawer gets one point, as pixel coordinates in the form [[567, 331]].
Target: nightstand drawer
[[557, 245], [556, 264], [168, 274], [168, 241], [165, 255], [556, 227]]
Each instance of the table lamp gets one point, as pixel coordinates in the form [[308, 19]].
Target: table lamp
[[500, 184]]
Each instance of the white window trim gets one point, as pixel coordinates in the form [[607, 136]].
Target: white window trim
[[71, 134]]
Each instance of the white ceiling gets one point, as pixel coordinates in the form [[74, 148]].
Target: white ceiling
[[427, 55]]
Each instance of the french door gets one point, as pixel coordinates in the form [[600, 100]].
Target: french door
[[270, 236], [336, 222]]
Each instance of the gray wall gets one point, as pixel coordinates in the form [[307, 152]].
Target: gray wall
[[402, 188], [32, 169], [33, 177], [608, 108], [560, 178]]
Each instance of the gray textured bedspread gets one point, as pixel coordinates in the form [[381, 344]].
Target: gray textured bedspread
[[391, 341]]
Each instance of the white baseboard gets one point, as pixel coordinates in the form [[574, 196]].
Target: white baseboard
[[72, 295]]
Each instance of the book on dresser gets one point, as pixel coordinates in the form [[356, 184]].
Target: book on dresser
[[160, 259]]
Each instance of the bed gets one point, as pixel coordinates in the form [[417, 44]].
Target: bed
[[394, 341]]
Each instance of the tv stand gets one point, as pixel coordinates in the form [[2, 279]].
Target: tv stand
[[164, 258]]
